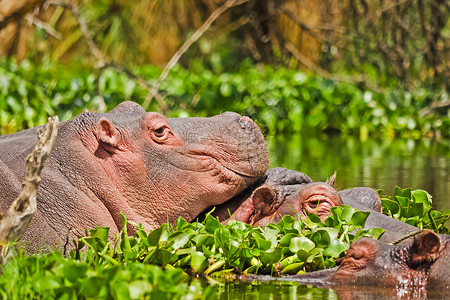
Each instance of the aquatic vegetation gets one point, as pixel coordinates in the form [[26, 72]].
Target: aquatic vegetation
[[415, 208], [157, 263]]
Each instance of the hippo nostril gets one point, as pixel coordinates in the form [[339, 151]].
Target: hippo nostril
[[245, 123]]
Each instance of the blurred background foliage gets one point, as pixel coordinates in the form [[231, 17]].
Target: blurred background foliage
[[355, 67]]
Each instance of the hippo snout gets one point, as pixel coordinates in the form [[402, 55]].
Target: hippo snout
[[246, 123]]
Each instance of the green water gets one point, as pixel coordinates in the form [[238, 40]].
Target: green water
[[272, 290], [373, 163], [378, 164], [256, 290]]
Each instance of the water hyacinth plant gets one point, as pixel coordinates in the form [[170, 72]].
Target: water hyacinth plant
[[164, 262], [288, 247], [415, 208]]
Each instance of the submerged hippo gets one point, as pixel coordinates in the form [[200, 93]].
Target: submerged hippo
[[422, 262], [283, 192], [288, 192], [151, 168]]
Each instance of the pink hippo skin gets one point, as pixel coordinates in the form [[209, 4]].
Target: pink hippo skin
[[423, 262], [151, 168], [283, 192], [288, 192]]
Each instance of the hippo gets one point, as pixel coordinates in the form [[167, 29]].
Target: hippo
[[128, 160], [423, 262], [289, 192], [283, 192]]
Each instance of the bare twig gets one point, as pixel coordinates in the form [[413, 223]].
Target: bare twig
[[22, 210], [12, 11], [42, 25], [200, 31]]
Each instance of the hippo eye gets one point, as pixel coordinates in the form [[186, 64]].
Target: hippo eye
[[313, 204], [159, 132], [357, 254]]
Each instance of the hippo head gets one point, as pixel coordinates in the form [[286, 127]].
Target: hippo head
[[271, 204], [415, 265], [401, 266], [283, 192], [167, 168]]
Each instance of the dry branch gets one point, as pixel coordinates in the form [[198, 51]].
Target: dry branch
[[42, 25], [198, 33], [22, 210], [13, 11]]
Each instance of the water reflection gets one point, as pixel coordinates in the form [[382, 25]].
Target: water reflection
[[374, 163], [378, 164], [274, 290]]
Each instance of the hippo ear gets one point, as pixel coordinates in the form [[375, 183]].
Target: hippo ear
[[332, 180], [263, 199], [108, 134], [425, 248]]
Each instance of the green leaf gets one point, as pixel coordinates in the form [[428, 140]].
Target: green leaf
[[203, 240], [211, 223], [75, 272], [392, 206], [301, 243], [199, 263], [321, 238], [138, 288], [359, 218], [92, 287], [179, 239], [215, 266], [421, 196], [347, 213], [403, 201], [286, 240], [293, 268], [155, 235], [262, 243], [405, 193], [335, 248], [271, 257], [222, 237]]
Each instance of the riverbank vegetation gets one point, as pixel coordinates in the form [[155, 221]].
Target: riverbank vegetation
[[281, 100], [350, 68], [158, 263], [309, 67]]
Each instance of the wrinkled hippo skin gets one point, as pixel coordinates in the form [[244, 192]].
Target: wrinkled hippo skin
[[282, 192], [152, 168], [288, 192], [422, 262]]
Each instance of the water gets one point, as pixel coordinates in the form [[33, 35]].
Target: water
[[378, 164], [373, 163], [280, 290], [272, 290]]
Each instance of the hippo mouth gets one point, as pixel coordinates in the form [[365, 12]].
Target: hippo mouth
[[213, 162], [232, 141]]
